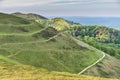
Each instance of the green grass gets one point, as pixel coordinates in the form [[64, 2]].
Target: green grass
[[41, 35], [32, 43], [4, 52], [57, 60], [9, 19], [5, 59], [59, 54]]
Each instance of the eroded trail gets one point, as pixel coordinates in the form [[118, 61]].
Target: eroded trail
[[86, 45], [93, 64]]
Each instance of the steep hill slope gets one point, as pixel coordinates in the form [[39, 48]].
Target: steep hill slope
[[53, 53], [59, 53], [105, 39], [109, 67]]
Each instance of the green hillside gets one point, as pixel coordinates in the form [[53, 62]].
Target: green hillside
[[104, 39], [42, 35], [45, 48], [55, 54], [30, 42]]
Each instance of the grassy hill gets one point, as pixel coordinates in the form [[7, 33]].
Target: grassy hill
[[44, 49], [30, 39], [29, 16], [10, 19], [59, 24], [12, 24], [55, 54]]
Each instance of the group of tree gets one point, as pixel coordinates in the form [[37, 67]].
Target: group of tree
[[103, 38]]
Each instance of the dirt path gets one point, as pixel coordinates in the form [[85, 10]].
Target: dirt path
[[93, 64], [86, 45]]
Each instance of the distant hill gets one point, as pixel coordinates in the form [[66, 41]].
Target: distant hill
[[29, 16], [61, 24], [13, 24], [10, 19]]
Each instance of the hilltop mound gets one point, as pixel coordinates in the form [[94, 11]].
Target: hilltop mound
[[10, 19], [29, 16], [13, 24], [47, 33], [59, 24]]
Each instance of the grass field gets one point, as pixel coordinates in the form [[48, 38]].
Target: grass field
[[55, 54]]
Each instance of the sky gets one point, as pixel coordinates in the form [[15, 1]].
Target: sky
[[63, 7]]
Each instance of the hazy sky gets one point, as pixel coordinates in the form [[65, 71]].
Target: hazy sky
[[63, 7]]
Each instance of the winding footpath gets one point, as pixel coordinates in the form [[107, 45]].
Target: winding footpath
[[93, 64], [86, 45]]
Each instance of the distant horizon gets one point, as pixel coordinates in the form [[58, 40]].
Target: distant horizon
[[63, 7], [58, 15], [76, 16], [111, 22]]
